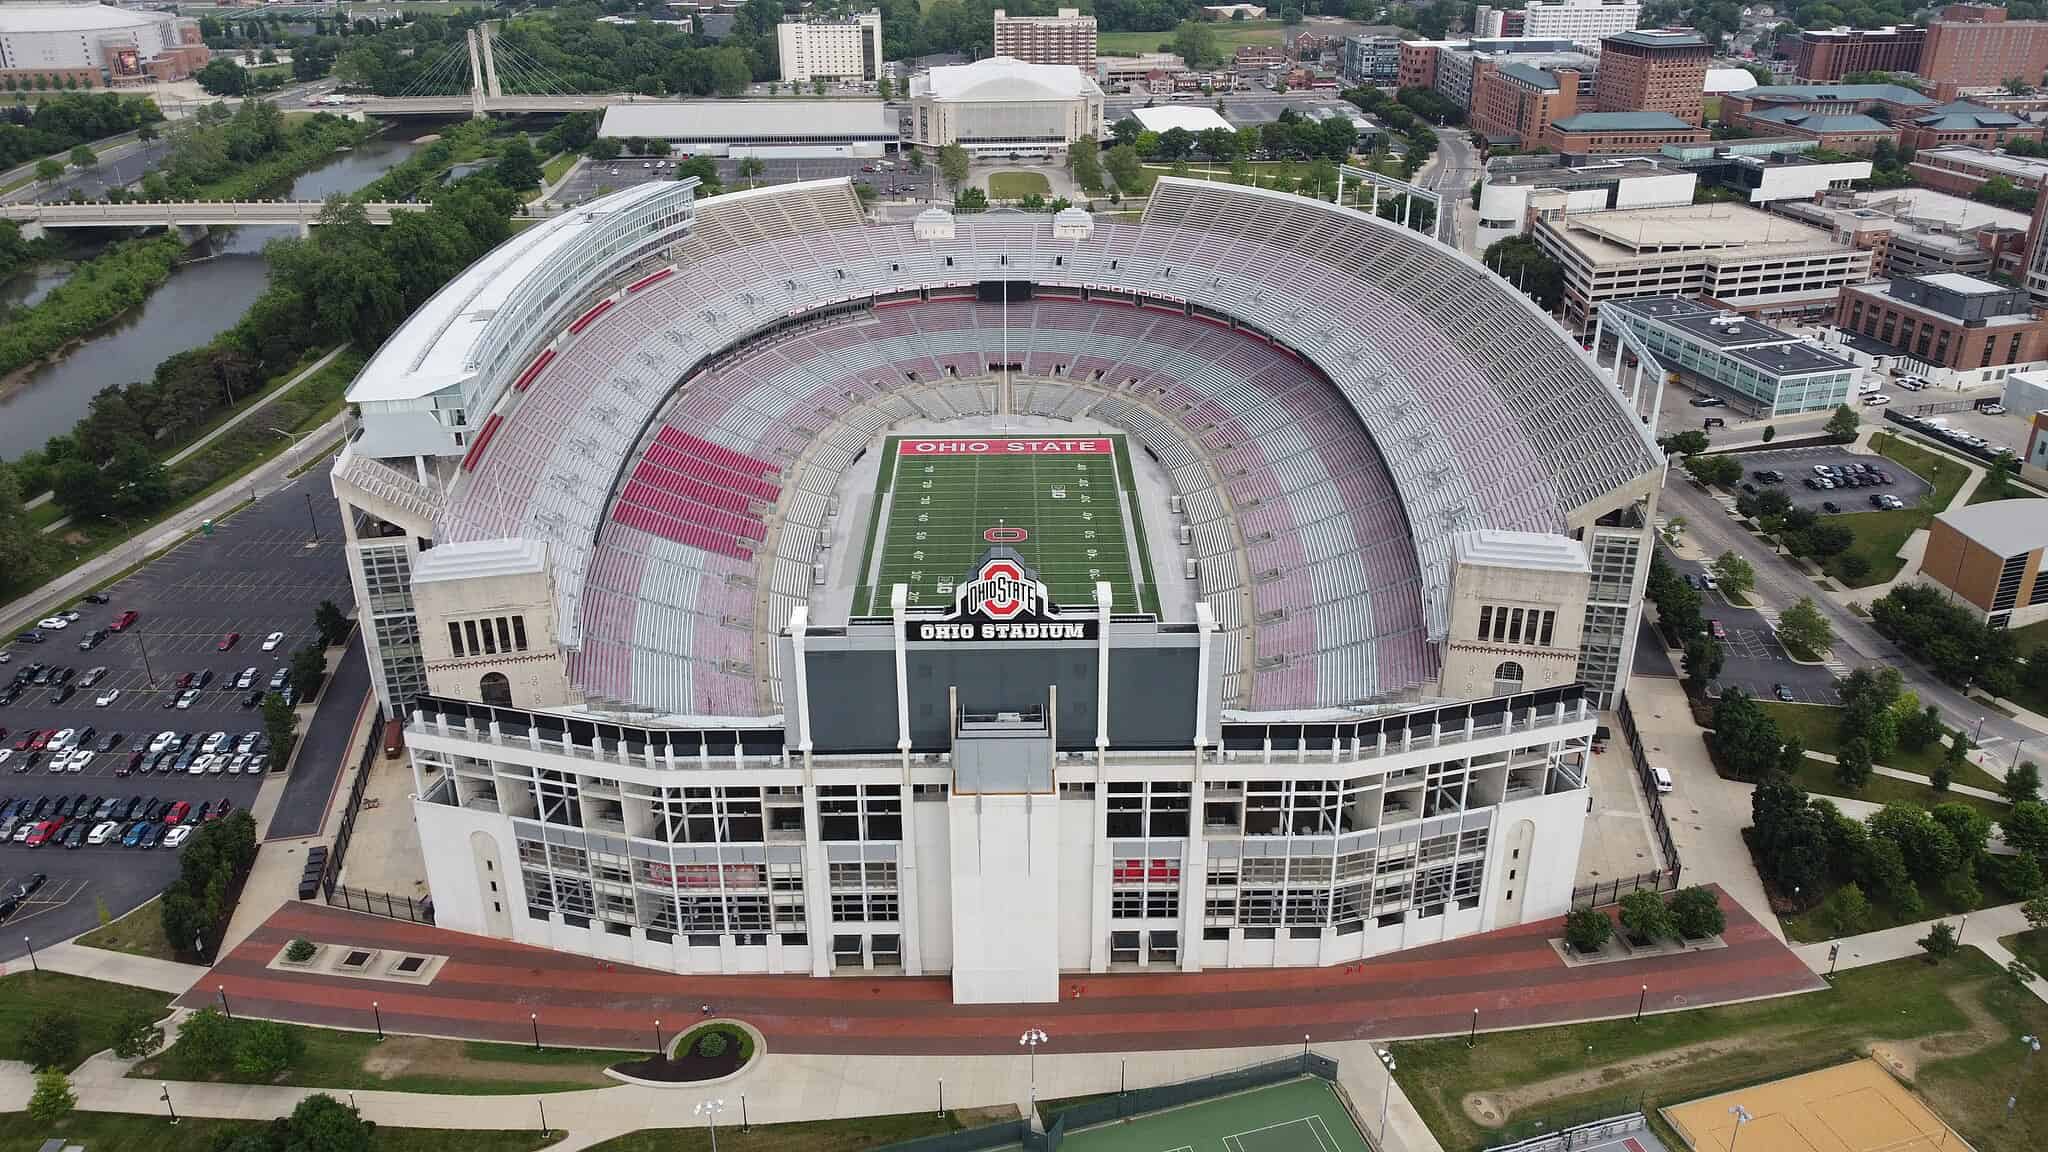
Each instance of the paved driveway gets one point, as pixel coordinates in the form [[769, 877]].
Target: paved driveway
[[1753, 660]]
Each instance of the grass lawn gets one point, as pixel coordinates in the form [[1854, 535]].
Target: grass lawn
[[110, 1130], [1817, 727], [97, 1005], [557, 164], [849, 1135], [1818, 776], [1230, 36], [1957, 1026], [356, 1060], [1880, 535], [2031, 946], [140, 933], [1017, 185]]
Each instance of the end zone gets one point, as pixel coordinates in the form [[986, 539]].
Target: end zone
[[1008, 446]]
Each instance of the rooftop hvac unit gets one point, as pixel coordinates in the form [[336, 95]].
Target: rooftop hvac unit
[[818, 575], [1173, 503], [1187, 534], [1191, 568]]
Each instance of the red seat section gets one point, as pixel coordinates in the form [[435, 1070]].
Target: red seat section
[[716, 454], [482, 441]]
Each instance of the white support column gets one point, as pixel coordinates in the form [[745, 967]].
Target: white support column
[[911, 940], [817, 879], [799, 620], [487, 32], [899, 606], [1103, 604]]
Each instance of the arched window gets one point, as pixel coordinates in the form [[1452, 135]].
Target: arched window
[[1507, 678], [495, 689]]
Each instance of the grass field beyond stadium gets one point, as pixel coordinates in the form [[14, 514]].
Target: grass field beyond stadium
[[1298, 1116], [1059, 501]]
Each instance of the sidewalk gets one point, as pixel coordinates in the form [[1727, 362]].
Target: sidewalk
[[1980, 930], [169, 531], [118, 967], [1917, 778]]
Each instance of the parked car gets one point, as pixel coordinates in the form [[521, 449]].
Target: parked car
[[186, 698], [1720, 632], [1708, 402], [92, 639], [107, 698], [134, 835], [122, 622], [1830, 506], [228, 641], [1661, 778], [1877, 399], [271, 641], [53, 624], [103, 830], [1782, 692], [177, 836]]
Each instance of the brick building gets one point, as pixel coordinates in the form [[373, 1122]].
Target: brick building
[[1824, 56], [1963, 123], [1653, 71], [1989, 557], [1619, 133], [1960, 171], [1947, 321], [1520, 101], [1974, 45], [1068, 38]]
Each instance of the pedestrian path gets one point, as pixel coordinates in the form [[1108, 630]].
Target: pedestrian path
[[1980, 930], [1917, 778], [118, 967]]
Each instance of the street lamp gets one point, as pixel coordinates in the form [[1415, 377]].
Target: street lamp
[[31, 954], [709, 1109], [166, 1098], [1979, 737], [1742, 1117], [659, 1052], [377, 1014], [535, 1017], [1641, 997], [1030, 1040], [1386, 1058]]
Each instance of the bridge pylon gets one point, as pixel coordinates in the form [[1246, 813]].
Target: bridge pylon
[[477, 90]]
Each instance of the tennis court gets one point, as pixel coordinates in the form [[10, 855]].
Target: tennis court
[[1302, 1115]]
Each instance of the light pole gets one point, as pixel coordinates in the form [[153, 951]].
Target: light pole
[[1472, 1037], [535, 1017], [225, 1010], [709, 1109], [31, 954], [144, 649], [377, 1014], [1386, 1058], [1978, 738], [166, 1098], [1742, 1117], [1641, 997], [942, 1096], [1030, 1040], [660, 1052]]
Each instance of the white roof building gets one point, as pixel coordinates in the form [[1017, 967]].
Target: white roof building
[[1004, 105], [1192, 119], [1721, 81]]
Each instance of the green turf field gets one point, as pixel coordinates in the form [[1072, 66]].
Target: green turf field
[[1298, 1116], [932, 513]]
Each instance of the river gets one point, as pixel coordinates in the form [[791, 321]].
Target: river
[[204, 297]]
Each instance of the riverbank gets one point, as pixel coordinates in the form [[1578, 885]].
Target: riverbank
[[97, 293]]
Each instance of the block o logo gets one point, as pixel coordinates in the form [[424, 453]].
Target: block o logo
[[999, 591], [1006, 535]]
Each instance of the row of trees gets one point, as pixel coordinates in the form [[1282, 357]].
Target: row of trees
[[1955, 643], [56, 125], [1292, 136], [1691, 914], [196, 905]]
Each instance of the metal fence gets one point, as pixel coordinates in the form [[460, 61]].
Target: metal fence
[[1607, 892], [419, 911], [1123, 1106], [332, 874], [1672, 864], [1579, 1135]]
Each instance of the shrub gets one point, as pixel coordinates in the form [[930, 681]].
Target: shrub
[[137, 1035], [1644, 916], [1697, 913], [1586, 930], [51, 1040], [53, 1099], [1848, 909], [712, 1044], [209, 1038], [300, 950], [1940, 942], [266, 1049]]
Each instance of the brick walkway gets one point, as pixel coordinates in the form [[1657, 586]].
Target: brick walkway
[[489, 988]]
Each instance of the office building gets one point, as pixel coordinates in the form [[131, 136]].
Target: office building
[[1960, 171], [1825, 55], [1517, 102], [1950, 328], [1918, 232], [1988, 556], [1619, 133], [1004, 105], [1767, 171], [1516, 191], [1068, 38], [1975, 45], [1769, 372], [848, 48], [1460, 66], [1583, 22], [1653, 71], [1373, 60], [95, 45], [1151, 72], [1741, 258]]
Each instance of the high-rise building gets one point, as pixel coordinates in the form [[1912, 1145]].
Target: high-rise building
[[1580, 21], [1653, 71], [1068, 38], [1825, 55], [1972, 45], [837, 49]]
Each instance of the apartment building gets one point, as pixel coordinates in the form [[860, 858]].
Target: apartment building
[[1825, 55], [1653, 71], [1518, 102], [1583, 22], [848, 48], [1741, 258], [1977, 45], [1067, 38]]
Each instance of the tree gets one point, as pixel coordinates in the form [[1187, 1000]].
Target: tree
[[50, 1040], [2022, 781], [137, 1035], [1644, 916], [281, 724], [1521, 262], [913, 159], [603, 148], [2025, 828], [1195, 43], [1853, 764], [49, 170], [223, 77], [1841, 427], [1919, 730], [1805, 630], [970, 200], [209, 1038], [1939, 943], [1745, 739], [84, 158], [323, 1124], [1587, 931], [517, 167], [1696, 913], [53, 1099], [266, 1049], [1704, 658], [331, 623], [1848, 909], [308, 668], [953, 163], [1734, 573]]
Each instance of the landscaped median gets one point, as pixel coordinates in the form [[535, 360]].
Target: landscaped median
[[1952, 1030], [120, 1131]]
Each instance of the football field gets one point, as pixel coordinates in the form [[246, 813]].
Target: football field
[[1061, 503]]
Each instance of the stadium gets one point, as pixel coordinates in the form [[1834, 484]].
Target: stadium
[[770, 588]]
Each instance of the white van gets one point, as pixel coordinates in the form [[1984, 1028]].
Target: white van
[[1662, 779]]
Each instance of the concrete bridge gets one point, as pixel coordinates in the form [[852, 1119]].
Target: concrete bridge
[[476, 105], [183, 214]]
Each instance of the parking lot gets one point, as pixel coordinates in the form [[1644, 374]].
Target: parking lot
[[1797, 464], [1753, 660], [264, 570]]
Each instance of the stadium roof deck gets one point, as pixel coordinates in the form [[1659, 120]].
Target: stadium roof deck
[[1623, 233], [1739, 338], [764, 119], [2004, 527], [1417, 337]]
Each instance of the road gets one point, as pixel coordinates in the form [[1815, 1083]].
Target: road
[[1450, 173], [1857, 644]]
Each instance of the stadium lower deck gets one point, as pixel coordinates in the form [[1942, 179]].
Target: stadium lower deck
[[723, 511]]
